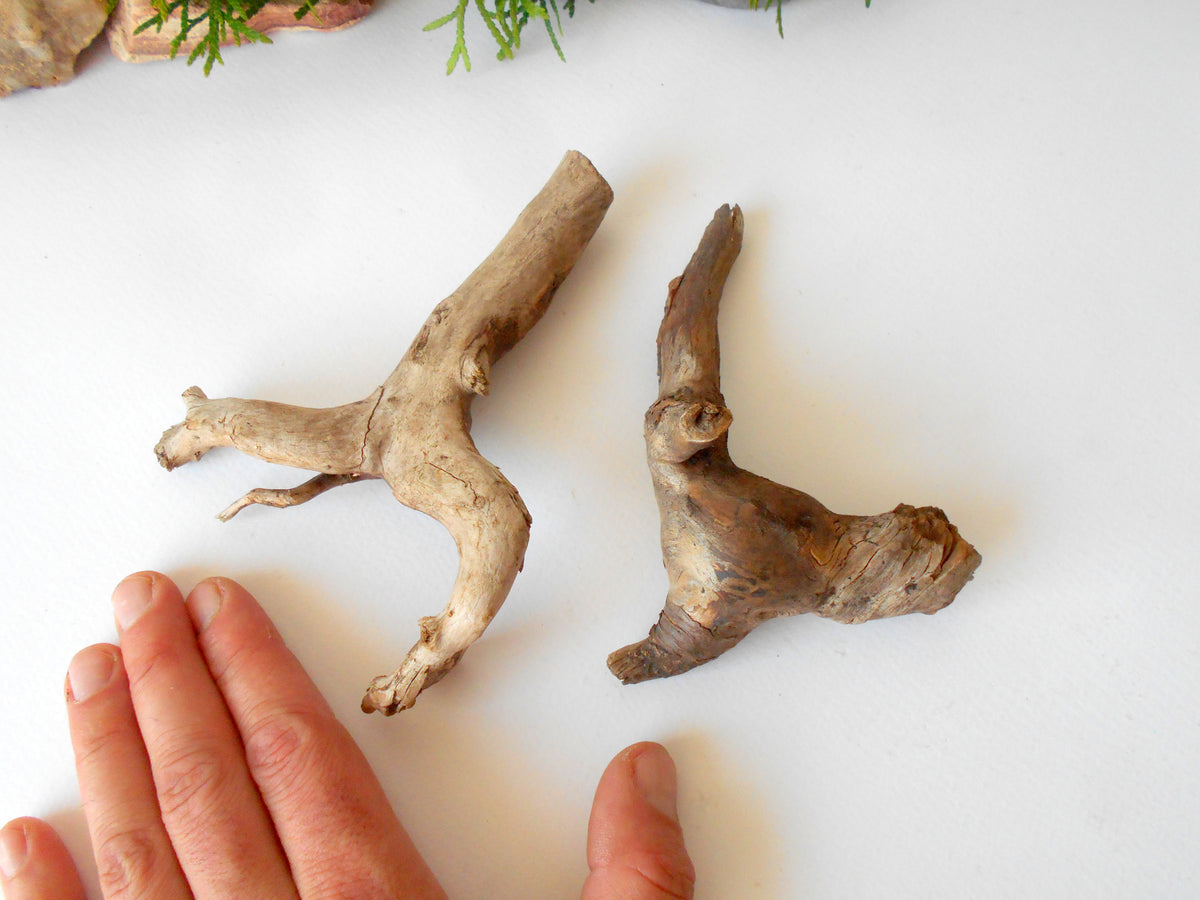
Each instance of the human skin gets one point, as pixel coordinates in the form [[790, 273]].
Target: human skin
[[252, 788]]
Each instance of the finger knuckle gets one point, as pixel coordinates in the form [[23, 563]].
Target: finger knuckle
[[126, 863], [190, 780], [281, 746], [672, 874], [153, 657], [336, 884], [92, 739]]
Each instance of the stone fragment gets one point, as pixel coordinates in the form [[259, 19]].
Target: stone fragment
[[151, 44], [40, 39]]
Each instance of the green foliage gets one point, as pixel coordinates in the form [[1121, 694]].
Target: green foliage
[[778, 4], [505, 20], [223, 18]]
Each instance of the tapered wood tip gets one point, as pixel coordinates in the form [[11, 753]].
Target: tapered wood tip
[[573, 159], [732, 213], [722, 240], [688, 351], [727, 227]]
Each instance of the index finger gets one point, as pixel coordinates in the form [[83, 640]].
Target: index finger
[[219, 828], [336, 825]]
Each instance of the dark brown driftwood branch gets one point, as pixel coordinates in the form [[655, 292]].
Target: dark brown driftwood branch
[[740, 549], [414, 430]]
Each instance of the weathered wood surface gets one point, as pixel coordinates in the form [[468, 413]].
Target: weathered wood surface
[[740, 549], [414, 430]]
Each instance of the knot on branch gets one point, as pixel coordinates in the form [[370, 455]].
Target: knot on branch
[[678, 429]]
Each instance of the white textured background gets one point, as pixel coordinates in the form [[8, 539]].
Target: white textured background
[[971, 279]]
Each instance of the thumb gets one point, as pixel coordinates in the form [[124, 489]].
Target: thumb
[[34, 863], [635, 845]]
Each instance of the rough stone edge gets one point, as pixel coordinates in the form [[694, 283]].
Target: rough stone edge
[[151, 45]]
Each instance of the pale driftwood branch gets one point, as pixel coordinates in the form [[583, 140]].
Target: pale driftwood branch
[[414, 430], [284, 497], [740, 549]]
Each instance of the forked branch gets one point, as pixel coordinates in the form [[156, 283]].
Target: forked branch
[[740, 549], [414, 430]]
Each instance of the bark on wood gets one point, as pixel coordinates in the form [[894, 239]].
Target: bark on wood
[[740, 549], [414, 430]]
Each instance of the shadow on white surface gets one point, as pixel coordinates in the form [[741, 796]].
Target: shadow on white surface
[[731, 835]]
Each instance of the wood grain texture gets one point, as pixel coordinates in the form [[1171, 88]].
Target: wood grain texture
[[414, 430], [740, 549]]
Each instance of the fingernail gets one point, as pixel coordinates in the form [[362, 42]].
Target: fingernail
[[130, 600], [203, 604], [13, 850], [654, 772], [90, 670]]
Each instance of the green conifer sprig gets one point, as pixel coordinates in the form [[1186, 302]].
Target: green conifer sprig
[[778, 4], [224, 18], [505, 20]]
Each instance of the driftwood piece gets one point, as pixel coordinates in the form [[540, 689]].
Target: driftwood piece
[[414, 430], [740, 549], [130, 45]]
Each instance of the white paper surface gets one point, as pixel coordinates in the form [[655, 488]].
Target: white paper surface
[[970, 279]]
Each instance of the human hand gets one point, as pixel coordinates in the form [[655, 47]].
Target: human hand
[[211, 767]]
